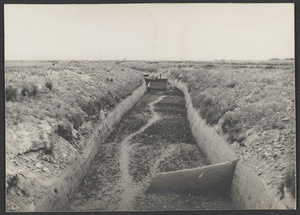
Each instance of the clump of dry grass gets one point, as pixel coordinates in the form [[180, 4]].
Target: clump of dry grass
[[290, 180], [64, 130], [49, 85], [76, 119], [11, 93], [30, 90]]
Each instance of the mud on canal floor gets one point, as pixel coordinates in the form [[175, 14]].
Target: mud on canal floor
[[153, 137]]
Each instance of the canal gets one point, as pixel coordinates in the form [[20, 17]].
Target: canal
[[154, 136]]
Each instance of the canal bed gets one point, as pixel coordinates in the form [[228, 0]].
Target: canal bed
[[154, 136]]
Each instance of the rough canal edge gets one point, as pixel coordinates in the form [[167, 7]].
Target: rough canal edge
[[248, 191], [60, 189]]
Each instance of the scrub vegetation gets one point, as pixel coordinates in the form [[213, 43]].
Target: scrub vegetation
[[51, 108]]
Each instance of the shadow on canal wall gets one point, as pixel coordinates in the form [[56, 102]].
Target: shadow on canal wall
[[248, 191], [62, 188]]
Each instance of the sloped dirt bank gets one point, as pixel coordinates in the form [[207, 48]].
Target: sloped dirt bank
[[249, 191], [50, 188]]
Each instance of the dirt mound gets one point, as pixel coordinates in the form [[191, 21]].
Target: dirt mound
[[49, 118]]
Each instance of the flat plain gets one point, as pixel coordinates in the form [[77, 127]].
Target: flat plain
[[250, 103]]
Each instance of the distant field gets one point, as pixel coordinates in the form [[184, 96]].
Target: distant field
[[65, 94], [245, 96]]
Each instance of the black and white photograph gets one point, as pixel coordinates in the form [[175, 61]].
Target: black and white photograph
[[149, 107]]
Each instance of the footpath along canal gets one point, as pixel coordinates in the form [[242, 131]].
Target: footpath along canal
[[154, 136]]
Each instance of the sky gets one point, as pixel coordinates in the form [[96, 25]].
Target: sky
[[194, 31]]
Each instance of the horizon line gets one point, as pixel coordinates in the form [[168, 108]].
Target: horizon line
[[124, 59]]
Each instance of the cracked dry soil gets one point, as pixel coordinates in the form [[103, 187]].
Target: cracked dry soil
[[153, 137]]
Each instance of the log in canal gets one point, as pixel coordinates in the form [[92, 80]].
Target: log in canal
[[153, 137]]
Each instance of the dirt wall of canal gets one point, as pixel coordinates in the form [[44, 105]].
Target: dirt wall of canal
[[65, 185], [248, 190]]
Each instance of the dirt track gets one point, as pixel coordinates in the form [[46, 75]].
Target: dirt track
[[153, 137]]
